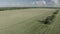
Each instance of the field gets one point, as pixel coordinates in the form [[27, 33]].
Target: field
[[26, 21]]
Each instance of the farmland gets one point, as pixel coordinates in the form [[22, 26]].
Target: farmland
[[26, 21]]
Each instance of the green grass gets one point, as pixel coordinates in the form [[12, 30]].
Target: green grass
[[25, 21]]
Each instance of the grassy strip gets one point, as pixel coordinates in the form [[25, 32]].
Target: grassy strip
[[50, 19]]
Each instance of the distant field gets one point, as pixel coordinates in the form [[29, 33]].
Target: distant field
[[25, 21]]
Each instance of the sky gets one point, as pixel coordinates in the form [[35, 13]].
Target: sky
[[29, 3]]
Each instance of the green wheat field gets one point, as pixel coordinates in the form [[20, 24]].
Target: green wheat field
[[26, 21]]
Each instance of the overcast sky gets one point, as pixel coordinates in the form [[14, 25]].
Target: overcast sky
[[29, 3]]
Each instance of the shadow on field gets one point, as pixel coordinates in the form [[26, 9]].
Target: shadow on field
[[49, 19]]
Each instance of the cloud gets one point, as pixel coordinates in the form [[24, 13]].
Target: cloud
[[56, 1], [22, 3], [53, 3], [39, 3], [34, 3]]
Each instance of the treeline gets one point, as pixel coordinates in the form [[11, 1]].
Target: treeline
[[12, 8]]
